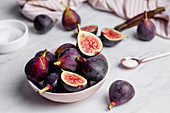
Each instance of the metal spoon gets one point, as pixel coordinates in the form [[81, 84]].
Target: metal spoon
[[129, 62]]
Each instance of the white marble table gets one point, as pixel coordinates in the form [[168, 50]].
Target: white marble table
[[151, 80]]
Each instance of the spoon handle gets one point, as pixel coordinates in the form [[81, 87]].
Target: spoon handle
[[155, 57]]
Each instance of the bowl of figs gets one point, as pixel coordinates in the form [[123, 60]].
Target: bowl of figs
[[69, 73]]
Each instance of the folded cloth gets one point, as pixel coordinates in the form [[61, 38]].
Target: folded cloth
[[124, 8]]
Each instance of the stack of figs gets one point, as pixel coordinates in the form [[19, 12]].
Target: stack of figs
[[71, 68]]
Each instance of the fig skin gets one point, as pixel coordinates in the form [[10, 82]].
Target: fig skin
[[37, 68], [49, 56], [120, 92], [50, 83], [70, 18], [67, 60], [107, 41], [146, 30], [91, 28], [43, 23], [94, 68], [69, 87], [63, 47]]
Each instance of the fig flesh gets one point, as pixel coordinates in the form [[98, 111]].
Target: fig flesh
[[146, 30], [67, 59], [91, 28], [72, 81], [70, 18], [63, 47], [37, 68], [120, 92], [88, 43], [94, 68], [50, 83], [111, 37], [43, 23]]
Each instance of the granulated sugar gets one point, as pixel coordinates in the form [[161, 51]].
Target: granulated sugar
[[130, 63], [9, 34]]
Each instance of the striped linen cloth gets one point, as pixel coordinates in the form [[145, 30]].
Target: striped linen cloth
[[123, 8]]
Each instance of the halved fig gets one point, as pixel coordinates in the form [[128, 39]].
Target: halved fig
[[63, 47], [88, 43], [72, 81], [91, 28], [94, 68], [111, 37]]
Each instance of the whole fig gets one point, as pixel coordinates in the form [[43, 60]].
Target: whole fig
[[146, 30], [37, 68], [120, 92], [43, 23], [70, 18]]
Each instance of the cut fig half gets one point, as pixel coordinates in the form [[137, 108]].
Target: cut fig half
[[72, 81], [88, 43], [91, 28], [111, 37]]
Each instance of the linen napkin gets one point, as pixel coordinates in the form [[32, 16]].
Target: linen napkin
[[123, 8]]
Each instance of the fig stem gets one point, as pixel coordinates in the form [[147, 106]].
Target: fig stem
[[62, 70], [64, 5], [44, 89], [80, 59], [78, 27], [44, 53], [145, 16], [55, 20], [111, 105], [125, 36], [57, 63]]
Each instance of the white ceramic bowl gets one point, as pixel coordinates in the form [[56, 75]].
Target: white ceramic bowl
[[74, 96], [20, 40]]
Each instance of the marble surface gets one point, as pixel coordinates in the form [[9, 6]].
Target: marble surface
[[151, 80]]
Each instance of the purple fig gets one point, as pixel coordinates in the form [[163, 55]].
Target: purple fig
[[50, 83], [146, 30], [120, 92], [63, 47], [94, 68], [70, 18], [67, 59], [37, 68], [43, 23]]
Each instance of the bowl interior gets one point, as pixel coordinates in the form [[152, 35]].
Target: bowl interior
[[73, 96]]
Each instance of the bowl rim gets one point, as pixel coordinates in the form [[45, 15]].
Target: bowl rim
[[73, 93], [24, 35]]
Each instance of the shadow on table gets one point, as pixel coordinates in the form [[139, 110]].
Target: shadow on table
[[25, 91]]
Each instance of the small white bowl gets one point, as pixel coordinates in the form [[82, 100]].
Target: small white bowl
[[74, 96], [8, 28]]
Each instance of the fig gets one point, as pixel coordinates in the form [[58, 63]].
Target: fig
[[43, 23], [67, 59], [49, 56], [111, 37], [50, 83], [146, 30], [72, 81], [88, 43], [37, 68], [94, 68], [91, 28], [70, 18], [63, 47], [120, 92]]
